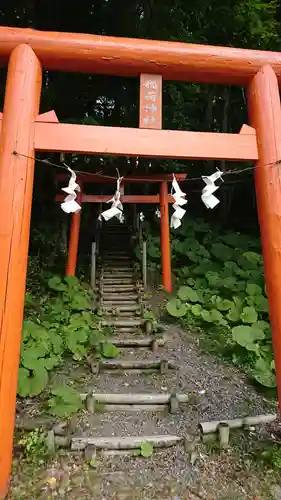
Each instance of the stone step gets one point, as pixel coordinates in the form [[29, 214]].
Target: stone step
[[115, 303], [120, 314], [119, 297], [122, 262], [136, 398], [124, 442], [147, 341], [117, 270], [108, 273], [136, 366], [117, 281], [121, 307], [122, 322], [118, 289]]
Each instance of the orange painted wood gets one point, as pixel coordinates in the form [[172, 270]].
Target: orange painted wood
[[16, 184], [135, 179], [49, 117], [74, 236], [246, 129], [165, 238], [265, 116], [91, 139], [150, 112], [131, 57], [127, 198]]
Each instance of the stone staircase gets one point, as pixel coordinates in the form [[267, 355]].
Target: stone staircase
[[131, 397]]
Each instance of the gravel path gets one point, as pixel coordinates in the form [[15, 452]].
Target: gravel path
[[218, 392]]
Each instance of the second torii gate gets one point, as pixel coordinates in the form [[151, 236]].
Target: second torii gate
[[163, 199]]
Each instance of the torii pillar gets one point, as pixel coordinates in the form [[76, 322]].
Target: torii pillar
[[21, 107], [265, 117]]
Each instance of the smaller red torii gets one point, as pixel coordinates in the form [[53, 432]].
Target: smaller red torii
[[163, 199]]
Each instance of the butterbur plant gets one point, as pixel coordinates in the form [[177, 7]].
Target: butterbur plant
[[63, 326], [223, 287]]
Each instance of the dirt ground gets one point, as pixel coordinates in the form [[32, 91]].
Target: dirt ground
[[221, 392]]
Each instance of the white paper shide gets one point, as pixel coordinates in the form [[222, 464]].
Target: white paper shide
[[70, 205], [208, 198], [180, 200], [116, 209]]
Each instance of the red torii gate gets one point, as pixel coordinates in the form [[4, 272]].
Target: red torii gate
[[25, 51], [163, 200]]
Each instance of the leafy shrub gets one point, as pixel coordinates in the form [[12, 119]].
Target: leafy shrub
[[34, 446], [58, 325], [223, 287], [64, 402]]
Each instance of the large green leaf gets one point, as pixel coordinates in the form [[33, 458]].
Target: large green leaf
[[213, 316], [56, 341], [222, 252], [254, 257], [214, 279], [32, 383], [234, 313], [183, 271], [57, 307], [95, 337], [64, 401], [30, 355], [235, 240], [79, 302], [38, 381], [264, 326], [176, 308], [253, 289], [222, 304], [205, 266], [187, 293], [249, 315], [78, 320], [196, 310], [75, 337], [246, 264], [232, 284], [34, 330], [52, 362], [109, 350], [23, 382], [246, 336], [261, 303], [72, 281], [263, 373], [193, 256], [55, 283]]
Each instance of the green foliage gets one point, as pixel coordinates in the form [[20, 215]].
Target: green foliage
[[34, 446], [109, 350], [263, 372], [187, 293], [146, 449], [61, 325], [269, 454], [64, 402], [176, 308], [225, 291]]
